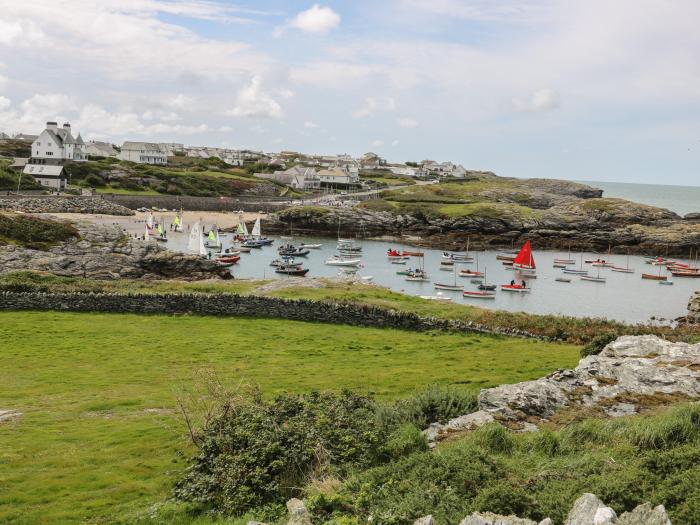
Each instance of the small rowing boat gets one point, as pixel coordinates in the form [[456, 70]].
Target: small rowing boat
[[402, 261], [593, 278], [666, 282], [479, 294], [563, 280], [653, 277], [575, 272], [516, 288], [339, 261]]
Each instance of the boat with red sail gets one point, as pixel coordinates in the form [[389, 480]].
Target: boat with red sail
[[524, 261]]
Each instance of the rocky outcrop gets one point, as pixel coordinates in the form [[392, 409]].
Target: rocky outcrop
[[9, 415], [556, 222], [105, 252], [587, 510], [63, 204], [694, 309], [630, 374]]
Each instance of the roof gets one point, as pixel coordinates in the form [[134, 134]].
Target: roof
[[333, 172], [79, 140], [43, 170], [151, 146], [24, 136], [103, 147]]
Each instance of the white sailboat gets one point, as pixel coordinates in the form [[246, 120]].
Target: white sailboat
[[149, 220], [256, 228], [195, 242]]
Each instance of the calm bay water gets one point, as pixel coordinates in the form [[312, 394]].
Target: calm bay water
[[680, 199], [624, 297]]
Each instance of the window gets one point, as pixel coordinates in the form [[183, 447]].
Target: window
[[49, 153]]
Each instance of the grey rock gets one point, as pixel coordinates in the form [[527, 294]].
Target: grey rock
[[425, 520], [589, 510], [8, 415], [631, 366], [63, 204], [105, 252], [256, 523], [546, 521], [488, 518], [298, 515], [645, 514], [437, 431]]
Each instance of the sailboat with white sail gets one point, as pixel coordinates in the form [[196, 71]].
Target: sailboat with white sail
[[195, 242]]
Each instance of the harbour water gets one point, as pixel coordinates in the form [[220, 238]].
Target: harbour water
[[624, 297], [679, 199]]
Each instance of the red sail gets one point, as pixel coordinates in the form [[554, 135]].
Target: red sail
[[524, 257]]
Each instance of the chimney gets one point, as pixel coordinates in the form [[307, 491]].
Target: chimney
[[53, 126], [66, 126]]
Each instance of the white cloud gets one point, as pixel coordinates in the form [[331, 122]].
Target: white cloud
[[254, 101], [5, 103], [395, 142], [539, 102], [310, 125], [372, 106], [407, 122], [225, 129], [316, 20], [277, 140], [179, 101], [377, 143]]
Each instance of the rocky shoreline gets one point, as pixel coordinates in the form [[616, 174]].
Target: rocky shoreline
[[641, 230], [62, 204], [106, 252]]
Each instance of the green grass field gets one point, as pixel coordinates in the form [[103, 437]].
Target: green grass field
[[100, 437]]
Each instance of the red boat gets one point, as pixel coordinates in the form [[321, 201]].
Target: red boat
[[233, 259], [519, 288], [471, 273], [412, 254], [684, 273], [653, 277], [524, 261], [479, 294]]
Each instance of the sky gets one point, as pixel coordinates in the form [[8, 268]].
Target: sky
[[572, 89]]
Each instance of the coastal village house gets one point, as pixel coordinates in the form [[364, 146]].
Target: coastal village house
[[96, 148], [143, 153], [50, 151], [339, 177], [298, 177]]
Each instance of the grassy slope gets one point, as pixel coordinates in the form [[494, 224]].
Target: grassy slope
[[87, 447]]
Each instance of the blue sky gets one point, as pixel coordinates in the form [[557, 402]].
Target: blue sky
[[576, 89]]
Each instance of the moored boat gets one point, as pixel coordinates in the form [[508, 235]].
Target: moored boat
[[517, 288], [292, 269], [339, 261], [654, 277], [524, 261], [479, 294]]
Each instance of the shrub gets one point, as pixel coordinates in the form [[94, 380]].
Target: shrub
[[254, 453], [405, 440], [504, 498], [596, 345], [95, 181], [34, 232], [435, 404]]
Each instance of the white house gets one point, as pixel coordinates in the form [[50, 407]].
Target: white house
[[48, 175], [338, 177], [298, 177], [96, 148], [143, 153], [56, 145], [371, 160]]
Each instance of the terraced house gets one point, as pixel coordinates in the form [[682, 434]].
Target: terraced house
[[143, 153]]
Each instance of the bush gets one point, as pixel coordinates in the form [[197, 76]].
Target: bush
[[95, 181], [435, 404], [34, 232], [254, 453], [405, 440], [596, 345], [504, 498]]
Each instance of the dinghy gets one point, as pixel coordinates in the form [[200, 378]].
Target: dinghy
[[563, 280], [516, 288], [292, 269], [339, 261], [453, 287], [195, 242], [479, 294], [524, 261]]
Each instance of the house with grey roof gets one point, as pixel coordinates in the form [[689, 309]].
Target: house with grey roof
[[50, 176], [57, 145], [95, 148], [298, 177], [143, 153]]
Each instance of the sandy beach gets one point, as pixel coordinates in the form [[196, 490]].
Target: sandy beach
[[134, 223]]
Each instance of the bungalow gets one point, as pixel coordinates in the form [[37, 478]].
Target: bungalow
[[143, 153], [49, 176]]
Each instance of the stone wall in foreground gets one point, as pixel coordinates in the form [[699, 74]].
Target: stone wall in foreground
[[240, 306]]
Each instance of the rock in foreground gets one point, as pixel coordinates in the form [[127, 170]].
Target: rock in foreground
[[629, 375], [63, 204]]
